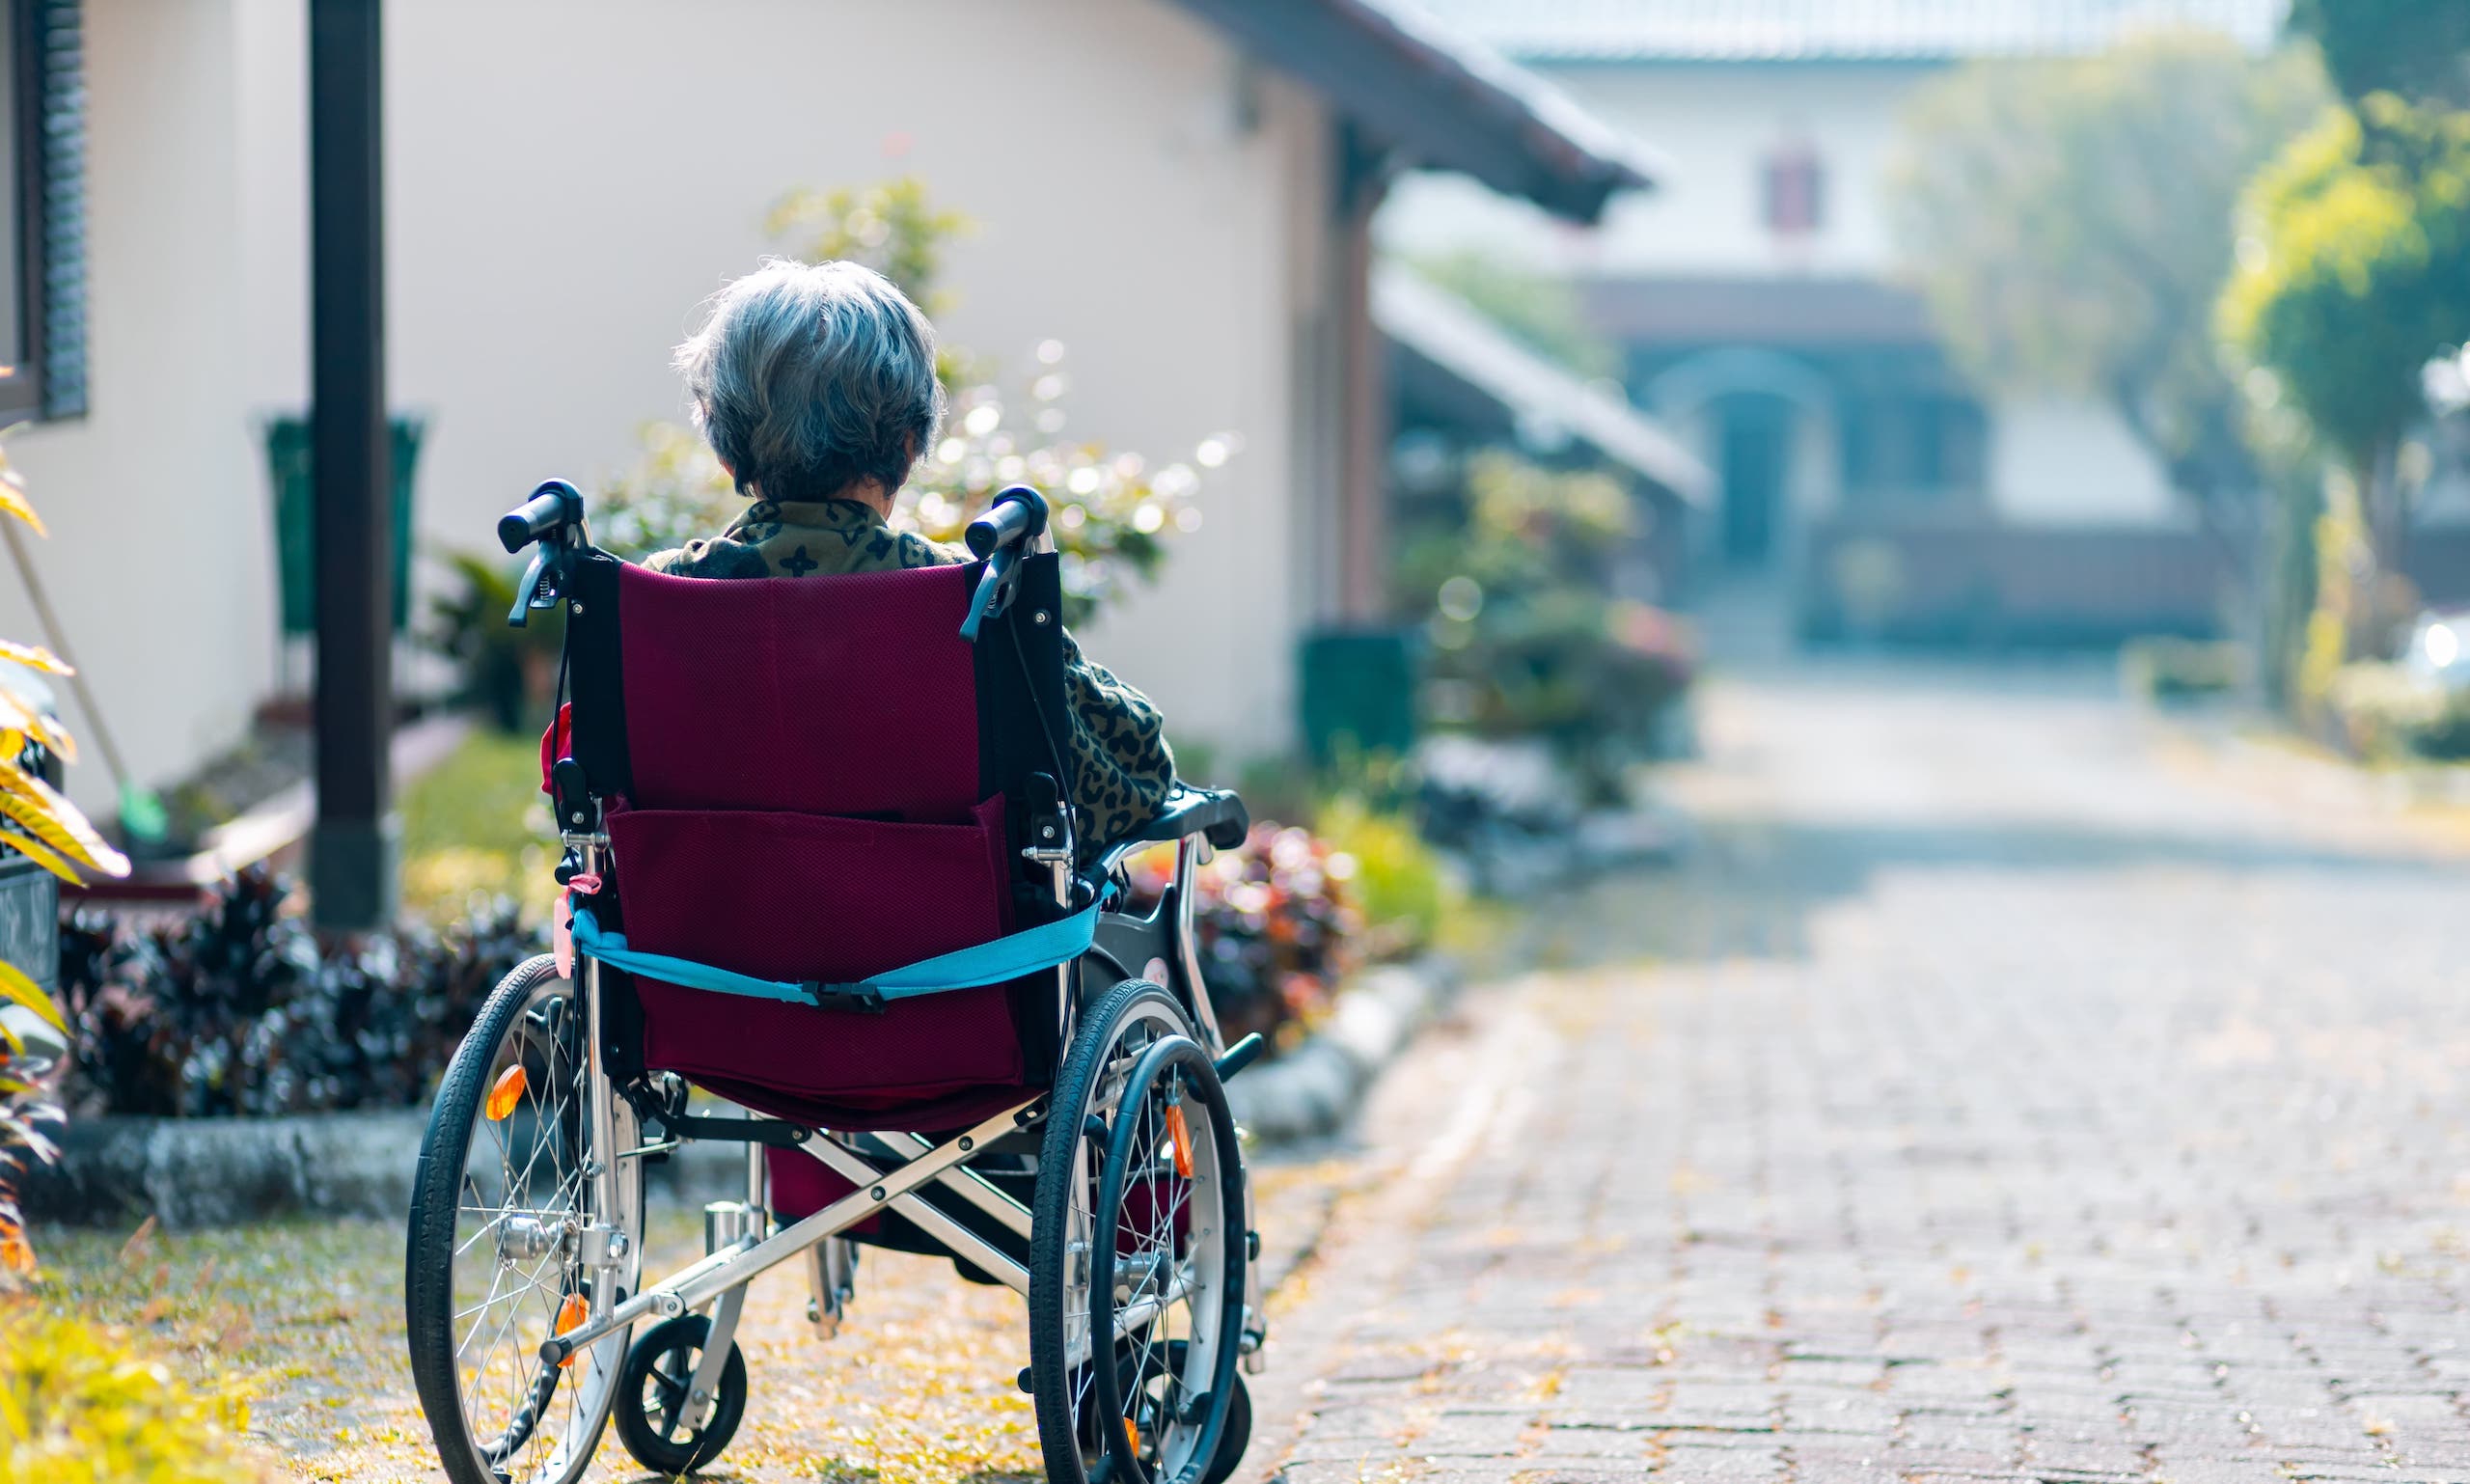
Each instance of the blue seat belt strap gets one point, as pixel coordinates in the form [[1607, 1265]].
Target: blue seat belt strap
[[1009, 957]]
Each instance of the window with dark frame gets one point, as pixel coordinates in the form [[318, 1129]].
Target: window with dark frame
[[1796, 190], [43, 253]]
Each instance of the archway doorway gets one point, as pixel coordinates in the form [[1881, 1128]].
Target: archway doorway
[[1754, 443]]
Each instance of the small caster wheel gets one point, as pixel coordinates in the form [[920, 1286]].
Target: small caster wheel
[[655, 1415]]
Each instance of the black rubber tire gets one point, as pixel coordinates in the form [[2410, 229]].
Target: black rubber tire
[[1049, 1212], [1184, 1058], [428, 1269], [635, 1426]]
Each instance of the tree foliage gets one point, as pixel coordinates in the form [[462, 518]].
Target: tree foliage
[[2070, 225], [1544, 312], [2354, 270], [2417, 49]]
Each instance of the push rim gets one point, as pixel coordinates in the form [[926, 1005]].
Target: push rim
[[1132, 1018], [1167, 1282]]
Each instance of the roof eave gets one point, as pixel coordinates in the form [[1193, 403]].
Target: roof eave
[[1446, 102]]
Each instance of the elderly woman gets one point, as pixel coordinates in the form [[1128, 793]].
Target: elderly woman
[[815, 385]]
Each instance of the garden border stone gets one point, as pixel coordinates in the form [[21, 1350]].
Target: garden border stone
[[192, 1172], [1312, 1090]]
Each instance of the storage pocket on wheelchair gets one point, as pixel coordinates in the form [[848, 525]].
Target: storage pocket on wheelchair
[[827, 902]]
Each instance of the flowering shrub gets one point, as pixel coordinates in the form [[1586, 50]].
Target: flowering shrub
[[1276, 924], [1526, 640], [240, 1010]]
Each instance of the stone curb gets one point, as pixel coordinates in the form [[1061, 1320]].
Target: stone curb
[[1311, 1091], [192, 1172]]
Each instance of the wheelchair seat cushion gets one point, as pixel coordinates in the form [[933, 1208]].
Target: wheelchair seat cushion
[[796, 896]]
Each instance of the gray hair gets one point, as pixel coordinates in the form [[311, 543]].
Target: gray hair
[[809, 377]]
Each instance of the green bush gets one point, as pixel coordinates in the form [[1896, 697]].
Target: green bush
[[78, 1406], [1399, 884]]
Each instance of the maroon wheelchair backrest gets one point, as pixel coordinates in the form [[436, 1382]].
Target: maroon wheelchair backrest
[[807, 780], [852, 694]]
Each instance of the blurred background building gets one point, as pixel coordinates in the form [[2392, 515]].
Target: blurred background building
[[1177, 191], [1862, 487]]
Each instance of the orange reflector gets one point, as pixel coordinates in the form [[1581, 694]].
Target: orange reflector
[[507, 1092], [1182, 1139], [1132, 1430], [572, 1315]]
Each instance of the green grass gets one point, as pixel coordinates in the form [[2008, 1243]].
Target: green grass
[[476, 826]]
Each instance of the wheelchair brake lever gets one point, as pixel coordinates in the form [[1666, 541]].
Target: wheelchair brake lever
[[995, 587], [540, 585]]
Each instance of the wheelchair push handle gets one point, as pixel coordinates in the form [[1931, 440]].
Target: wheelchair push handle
[[555, 502], [1016, 518]]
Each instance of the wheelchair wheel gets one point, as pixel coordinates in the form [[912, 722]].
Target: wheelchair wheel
[[655, 1419], [1135, 1248], [501, 1206]]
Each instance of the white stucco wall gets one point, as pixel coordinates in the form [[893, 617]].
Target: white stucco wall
[[2070, 463], [160, 559], [567, 180]]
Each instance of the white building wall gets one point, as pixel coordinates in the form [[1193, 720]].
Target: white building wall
[[2070, 464], [1716, 126], [1713, 125], [567, 179], [160, 560]]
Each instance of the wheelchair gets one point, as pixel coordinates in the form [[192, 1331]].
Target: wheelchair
[[821, 863]]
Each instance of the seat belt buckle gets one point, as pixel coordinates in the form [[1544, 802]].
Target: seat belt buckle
[[865, 999]]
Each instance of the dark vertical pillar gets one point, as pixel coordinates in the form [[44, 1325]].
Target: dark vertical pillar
[[351, 853], [1364, 172]]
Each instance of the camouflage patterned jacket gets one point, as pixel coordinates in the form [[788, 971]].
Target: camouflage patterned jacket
[[1122, 766]]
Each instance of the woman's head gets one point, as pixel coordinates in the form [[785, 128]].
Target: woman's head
[[810, 379]]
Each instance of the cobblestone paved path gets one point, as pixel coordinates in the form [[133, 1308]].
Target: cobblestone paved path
[[1992, 1097]]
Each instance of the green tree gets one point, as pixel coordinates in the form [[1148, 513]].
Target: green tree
[[2354, 274], [2070, 225], [2418, 50]]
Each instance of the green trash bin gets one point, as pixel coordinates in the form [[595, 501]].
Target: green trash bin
[[295, 538], [1359, 692]]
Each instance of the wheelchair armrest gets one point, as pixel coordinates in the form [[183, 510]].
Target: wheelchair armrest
[[1214, 813]]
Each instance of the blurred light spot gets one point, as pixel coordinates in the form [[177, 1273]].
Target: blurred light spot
[[951, 450], [1048, 388], [1050, 351], [1188, 519], [1148, 518], [1211, 453], [1462, 599], [1050, 420], [2443, 646], [982, 420], [1084, 479]]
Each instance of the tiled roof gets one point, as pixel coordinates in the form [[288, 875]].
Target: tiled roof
[[1819, 29]]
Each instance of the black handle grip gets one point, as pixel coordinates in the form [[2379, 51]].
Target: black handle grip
[[553, 505], [1017, 517]]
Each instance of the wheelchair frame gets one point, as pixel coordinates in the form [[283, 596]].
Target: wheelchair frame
[[889, 1172]]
